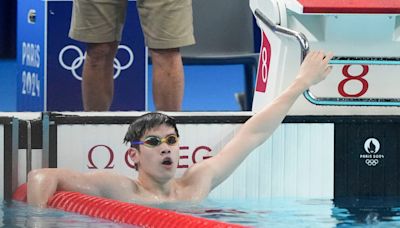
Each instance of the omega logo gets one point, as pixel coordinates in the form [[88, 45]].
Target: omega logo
[[198, 154], [110, 161]]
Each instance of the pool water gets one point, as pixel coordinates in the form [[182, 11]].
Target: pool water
[[276, 212], [17, 214]]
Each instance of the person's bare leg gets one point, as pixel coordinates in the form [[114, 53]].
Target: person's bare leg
[[168, 79], [97, 79]]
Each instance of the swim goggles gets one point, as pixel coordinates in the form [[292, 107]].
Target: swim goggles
[[153, 141]]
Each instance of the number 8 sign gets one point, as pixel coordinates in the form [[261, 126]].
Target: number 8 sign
[[358, 84], [263, 65], [349, 77]]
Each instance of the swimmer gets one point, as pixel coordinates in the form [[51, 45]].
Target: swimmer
[[154, 140]]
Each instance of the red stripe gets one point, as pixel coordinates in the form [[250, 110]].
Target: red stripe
[[351, 6]]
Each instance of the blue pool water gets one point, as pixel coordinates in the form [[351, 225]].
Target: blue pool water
[[266, 213], [17, 214]]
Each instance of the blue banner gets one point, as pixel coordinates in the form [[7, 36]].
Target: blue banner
[[64, 59], [30, 55]]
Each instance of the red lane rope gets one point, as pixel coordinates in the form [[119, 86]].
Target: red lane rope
[[122, 212]]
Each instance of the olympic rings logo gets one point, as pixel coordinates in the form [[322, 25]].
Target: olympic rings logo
[[78, 61], [371, 162]]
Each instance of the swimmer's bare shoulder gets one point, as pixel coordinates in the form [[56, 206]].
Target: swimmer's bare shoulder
[[42, 183], [111, 184]]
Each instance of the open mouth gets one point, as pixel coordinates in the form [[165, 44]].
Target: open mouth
[[167, 161]]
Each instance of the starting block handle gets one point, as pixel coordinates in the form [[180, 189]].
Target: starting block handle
[[300, 37], [377, 102], [365, 60]]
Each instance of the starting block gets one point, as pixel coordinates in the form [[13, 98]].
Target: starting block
[[364, 36]]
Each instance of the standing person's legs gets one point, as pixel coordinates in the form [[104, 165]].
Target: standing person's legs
[[98, 24], [167, 26], [97, 76], [168, 79]]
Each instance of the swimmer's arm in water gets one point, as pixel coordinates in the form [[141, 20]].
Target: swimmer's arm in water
[[260, 127], [43, 183]]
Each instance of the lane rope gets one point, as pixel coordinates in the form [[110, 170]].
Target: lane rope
[[122, 212]]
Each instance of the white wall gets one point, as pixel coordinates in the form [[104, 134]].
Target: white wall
[[297, 161]]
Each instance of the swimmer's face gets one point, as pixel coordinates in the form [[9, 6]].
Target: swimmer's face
[[159, 161]]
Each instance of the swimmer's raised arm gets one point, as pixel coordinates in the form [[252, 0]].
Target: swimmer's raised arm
[[43, 183], [260, 127]]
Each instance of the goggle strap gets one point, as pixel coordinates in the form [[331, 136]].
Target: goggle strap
[[137, 142]]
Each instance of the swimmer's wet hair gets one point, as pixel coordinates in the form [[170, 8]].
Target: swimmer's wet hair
[[146, 122]]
